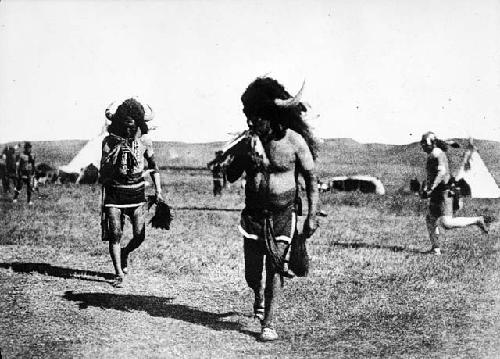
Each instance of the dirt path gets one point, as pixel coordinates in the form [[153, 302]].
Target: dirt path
[[68, 309], [62, 310]]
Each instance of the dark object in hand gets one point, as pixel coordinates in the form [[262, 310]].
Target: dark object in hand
[[299, 259], [163, 215]]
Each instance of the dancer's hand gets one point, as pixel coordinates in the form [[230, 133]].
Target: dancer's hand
[[310, 226]]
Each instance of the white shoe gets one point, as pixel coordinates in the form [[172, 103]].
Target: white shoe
[[14, 200], [30, 203], [436, 251], [268, 334], [485, 223]]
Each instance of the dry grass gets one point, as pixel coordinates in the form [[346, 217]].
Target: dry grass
[[372, 292]]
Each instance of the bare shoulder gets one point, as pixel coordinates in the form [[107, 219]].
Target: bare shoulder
[[146, 140], [437, 153], [296, 140], [106, 139]]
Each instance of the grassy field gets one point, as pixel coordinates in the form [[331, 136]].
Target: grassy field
[[372, 291]]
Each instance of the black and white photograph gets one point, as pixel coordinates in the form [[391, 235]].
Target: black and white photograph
[[250, 179]]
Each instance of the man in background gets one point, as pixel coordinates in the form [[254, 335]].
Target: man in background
[[217, 173], [25, 173], [10, 158]]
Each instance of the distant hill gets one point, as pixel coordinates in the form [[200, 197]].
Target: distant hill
[[54, 153], [393, 164], [180, 154]]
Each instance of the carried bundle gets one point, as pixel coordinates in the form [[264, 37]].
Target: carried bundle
[[299, 258], [163, 214]]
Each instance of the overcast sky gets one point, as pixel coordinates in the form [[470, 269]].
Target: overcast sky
[[375, 70]]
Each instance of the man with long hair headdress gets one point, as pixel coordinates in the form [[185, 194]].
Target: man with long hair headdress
[[280, 146], [124, 152], [441, 195]]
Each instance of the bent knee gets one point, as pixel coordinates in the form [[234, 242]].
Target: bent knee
[[445, 222], [116, 235]]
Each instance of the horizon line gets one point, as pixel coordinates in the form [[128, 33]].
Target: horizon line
[[224, 141]]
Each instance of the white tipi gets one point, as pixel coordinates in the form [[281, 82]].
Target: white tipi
[[89, 154], [92, 151], [475, 173]]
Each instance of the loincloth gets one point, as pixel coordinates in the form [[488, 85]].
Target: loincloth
[[26, 174], [441, 204], [282, 221], [124, 196]]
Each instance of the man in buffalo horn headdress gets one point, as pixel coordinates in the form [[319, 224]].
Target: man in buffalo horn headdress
[[122, 175], [278, 147]]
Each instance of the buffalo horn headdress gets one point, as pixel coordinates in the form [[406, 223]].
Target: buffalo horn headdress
[[292, 101], [111, 110]]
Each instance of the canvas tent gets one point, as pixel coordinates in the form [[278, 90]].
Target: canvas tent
[[89, 154], [475, 174], [365, 184]]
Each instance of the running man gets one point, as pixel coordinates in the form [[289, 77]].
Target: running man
[[441, 210]]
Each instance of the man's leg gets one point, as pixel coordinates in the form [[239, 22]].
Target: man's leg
[[271, 293], [36, 186], [433, 229], [139, 234], [115, 227], [5, 184], [29, 189], [18, 183], [254, 265], [217, 188], [449, 222]]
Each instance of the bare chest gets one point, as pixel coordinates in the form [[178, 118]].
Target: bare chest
[[281, 156]]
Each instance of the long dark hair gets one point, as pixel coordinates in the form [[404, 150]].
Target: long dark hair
[[259, 99], [129, 110], [430, 138]]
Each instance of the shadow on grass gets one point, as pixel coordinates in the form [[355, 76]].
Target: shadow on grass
[[55, 271], [157, 307], [206, 209], [393, 248]]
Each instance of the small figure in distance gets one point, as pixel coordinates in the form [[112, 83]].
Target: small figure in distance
[[25, 173]]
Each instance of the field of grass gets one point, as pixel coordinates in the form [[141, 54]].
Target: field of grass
[[372, 291]]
